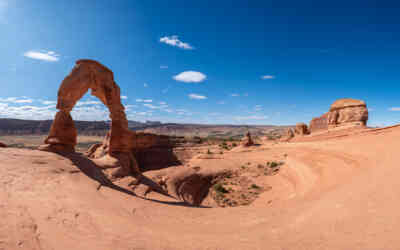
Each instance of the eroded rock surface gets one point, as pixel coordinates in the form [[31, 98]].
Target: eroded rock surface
[[301, 129], [2, 145], [151, 151], [342, 113]]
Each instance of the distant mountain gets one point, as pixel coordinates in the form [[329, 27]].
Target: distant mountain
[[100, 128]]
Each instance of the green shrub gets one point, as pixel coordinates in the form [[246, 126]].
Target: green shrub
[[219, 188]]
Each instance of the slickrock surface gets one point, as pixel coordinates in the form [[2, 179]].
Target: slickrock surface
[[336, 193]]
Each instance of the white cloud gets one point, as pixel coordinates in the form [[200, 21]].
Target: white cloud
[[124, 97], [145, 85], [162, 103], [144, 100], [190, 76], [197, 97], [85, 103], [267, 77], [175, 42], [235, 95], [49, 56], [151, 106], [163, 67], [23, 99], [251, 117], [47, 102], [394, 109]]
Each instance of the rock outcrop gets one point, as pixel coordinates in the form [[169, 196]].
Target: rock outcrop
[[288, 136], [301, 129], [2, 145], [247, 140], [89, 74], [192, 184], [342, 113], [151, 151]]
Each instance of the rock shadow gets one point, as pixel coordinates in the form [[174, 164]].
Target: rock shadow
[[90, 169]]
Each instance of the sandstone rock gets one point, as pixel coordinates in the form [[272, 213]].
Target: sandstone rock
[[289, 135], [89, 74], [342, 113], [301, 129], [2, 145], [151, 151], [247, 140], [191, 184]]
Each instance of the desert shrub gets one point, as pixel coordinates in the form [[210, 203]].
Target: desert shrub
[[219, 188], [255, 186], [274, 164]]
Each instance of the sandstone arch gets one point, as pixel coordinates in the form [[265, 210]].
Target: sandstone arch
[[89, 74]]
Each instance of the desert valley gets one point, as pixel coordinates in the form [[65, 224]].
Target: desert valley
[[199, 125], [327, 185]]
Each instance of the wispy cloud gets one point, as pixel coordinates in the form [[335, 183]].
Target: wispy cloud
[[144, 100], [175, 42], [16, 100], [197, 96], [394, 109], [45, 102], [124, 97], [235, 95], [84, 103], [221, 102], [145, 85], [267, 77], [258, 107], [49, 56], [251, 117], [163, 67], [190, 77]]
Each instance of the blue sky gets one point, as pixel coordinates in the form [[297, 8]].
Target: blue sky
[[239, 62]]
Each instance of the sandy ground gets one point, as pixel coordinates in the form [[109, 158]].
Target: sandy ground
[[334, 192]]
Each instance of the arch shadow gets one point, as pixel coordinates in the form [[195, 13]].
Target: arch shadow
[[90, 169]]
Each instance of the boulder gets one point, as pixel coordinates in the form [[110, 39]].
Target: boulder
[[342, 113], [192, 185], [301, 129]]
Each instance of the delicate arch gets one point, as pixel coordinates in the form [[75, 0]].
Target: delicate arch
[[89, 74]]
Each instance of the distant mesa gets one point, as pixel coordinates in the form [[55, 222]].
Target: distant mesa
[[343, 113]]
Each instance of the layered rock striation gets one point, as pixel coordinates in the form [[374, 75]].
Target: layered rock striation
[[342, 113]]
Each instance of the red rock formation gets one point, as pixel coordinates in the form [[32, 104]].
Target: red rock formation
[[301, 129], [151, 151], [89, 74], [2, 145], [289, 135], [247, 140], [343, 113]]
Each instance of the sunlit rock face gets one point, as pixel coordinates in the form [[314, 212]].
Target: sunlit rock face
[[342, 113]]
